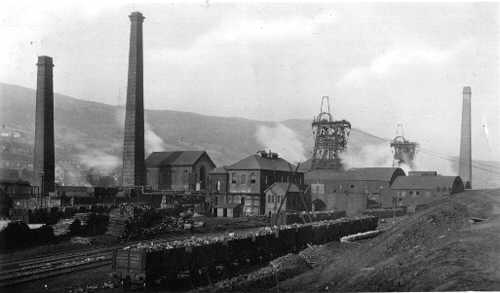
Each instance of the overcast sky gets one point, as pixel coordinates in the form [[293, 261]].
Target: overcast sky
[[381, 63]]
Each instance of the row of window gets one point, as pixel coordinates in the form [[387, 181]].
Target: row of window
[[320, 188], [242, 179], [273, 198]]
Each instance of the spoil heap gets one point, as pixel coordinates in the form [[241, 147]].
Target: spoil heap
[[438, 249]]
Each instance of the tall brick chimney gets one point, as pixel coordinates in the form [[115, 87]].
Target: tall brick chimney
[[43, 160], [465, 164], [134, 171]]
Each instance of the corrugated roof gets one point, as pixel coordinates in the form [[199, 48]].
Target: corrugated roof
[[281, 187], [362, 174], [176, 158], [428, 182], [257, 162]]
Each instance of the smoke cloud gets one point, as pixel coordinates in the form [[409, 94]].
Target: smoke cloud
[[282, 140], [99, 160], [153, 142], [369, 156], [381, 156]]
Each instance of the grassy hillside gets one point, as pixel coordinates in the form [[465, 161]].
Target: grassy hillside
[[91, 134]]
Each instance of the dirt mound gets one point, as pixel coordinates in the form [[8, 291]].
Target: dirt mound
[[437, 249]]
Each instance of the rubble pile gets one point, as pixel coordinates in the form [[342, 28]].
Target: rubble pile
[[269, 276]]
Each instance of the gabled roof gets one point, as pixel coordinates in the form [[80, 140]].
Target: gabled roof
[[361, 174], [257, 162], [219, 170], [176, 158], [280, 188], [428, 182]]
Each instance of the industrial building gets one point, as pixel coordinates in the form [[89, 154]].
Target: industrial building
[[179, 170], [412, 191], [250, 177], [286, 197], [349, 191]]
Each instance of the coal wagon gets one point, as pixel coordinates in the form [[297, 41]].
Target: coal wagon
[[162, 262]]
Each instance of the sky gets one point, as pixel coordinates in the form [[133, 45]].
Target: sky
[[380, 63]]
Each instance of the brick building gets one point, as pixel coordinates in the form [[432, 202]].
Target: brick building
[[250, 177], [178, 170]]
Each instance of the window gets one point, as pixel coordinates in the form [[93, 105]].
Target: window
[[243, 179], [352, 185], [269, 198], [233, 178], [274, 198], [279, 199], [411, 192], [218, 185], [253, 178], [418, 192]]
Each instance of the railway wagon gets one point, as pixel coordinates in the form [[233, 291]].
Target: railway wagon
[[161, 263]]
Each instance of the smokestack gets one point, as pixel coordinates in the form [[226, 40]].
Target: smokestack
[[133, 148], [465, 165], [43, 160]]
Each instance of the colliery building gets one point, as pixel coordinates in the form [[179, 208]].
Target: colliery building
[[247, 180], [179, 170], [412, 191], [288, 196], [349, 191]]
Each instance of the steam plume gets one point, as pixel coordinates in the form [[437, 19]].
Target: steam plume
[[282, 140], [153, 142]]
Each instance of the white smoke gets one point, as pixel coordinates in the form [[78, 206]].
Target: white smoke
[[99, 160], [369, 156], [282, 140], [153, 142], [381, 156]]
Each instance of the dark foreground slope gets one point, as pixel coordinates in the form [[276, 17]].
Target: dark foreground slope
[[438, 249]]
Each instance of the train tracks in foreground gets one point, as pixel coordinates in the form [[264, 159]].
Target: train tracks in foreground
[[17, 272]]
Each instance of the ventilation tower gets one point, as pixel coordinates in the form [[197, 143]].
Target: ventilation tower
[[330, 138]]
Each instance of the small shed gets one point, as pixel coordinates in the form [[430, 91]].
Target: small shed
[[229, 210], [412, 191], [277, 193]]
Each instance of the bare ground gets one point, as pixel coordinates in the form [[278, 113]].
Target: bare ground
[[438, 249]]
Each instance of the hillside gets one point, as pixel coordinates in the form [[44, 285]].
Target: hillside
[[82, 126], [438, 249], [89, 134]]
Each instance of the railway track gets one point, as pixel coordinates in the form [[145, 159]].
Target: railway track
[[44, 267], [13, 272]]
